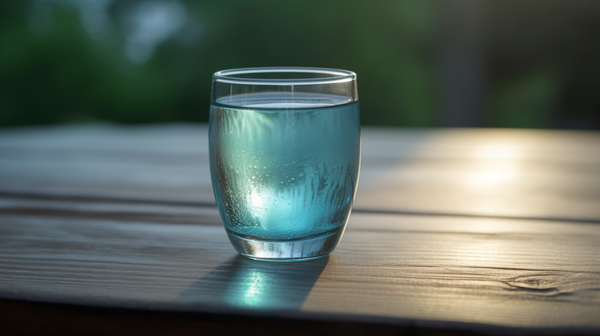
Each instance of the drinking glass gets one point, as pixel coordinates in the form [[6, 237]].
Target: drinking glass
[[284, 158]]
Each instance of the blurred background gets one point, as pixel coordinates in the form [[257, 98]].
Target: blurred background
[[459, 63]]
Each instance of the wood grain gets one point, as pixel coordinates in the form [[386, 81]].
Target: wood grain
[[509, 173], [482, 231], [399, 268]]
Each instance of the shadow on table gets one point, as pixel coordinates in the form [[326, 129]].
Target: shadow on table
[[244, 283]]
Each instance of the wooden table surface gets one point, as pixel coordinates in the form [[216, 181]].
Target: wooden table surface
[[457, 231]]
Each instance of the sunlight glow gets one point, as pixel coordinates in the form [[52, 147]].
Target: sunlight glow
[[493, 177], [256, 199], [499, 163], [257, 288], [499, 151]]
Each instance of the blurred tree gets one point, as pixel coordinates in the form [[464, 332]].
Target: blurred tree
[[543, 63], [133, 61], [74, 76], [51, 70]]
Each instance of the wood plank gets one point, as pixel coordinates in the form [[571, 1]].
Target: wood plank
[[543, 174], [123, 217], [400, 269], [148, 162], [512, 173]]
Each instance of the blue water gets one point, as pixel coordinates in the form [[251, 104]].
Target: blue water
[[287, 169]]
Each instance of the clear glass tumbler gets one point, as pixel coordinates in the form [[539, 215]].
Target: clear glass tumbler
[[284, 158]]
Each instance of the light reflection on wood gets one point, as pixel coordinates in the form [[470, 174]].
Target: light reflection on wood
[[504, 272], [482, 172], [151, 238]]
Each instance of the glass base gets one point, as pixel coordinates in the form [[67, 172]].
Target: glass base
[[287, 251]]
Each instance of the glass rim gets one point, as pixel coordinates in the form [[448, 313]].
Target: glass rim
[[338, 76]]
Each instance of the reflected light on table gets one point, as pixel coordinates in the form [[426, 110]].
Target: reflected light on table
[[482, 253], [246, 284], [499, 164], [495, 170], [253, 291]]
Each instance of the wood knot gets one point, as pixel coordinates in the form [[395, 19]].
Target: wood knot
[[539, 283]]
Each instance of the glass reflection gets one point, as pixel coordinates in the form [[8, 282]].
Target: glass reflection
[[243, 283]]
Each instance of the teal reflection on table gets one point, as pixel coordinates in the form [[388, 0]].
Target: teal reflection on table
[[253, 291], [248, 284]]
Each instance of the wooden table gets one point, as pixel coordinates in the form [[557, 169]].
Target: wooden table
[[114, 229]]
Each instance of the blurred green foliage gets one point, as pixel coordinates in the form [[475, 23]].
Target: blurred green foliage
[[57, 67], [526, 101]]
